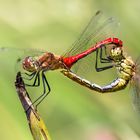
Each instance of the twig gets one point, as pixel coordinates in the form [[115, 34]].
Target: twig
[[36, 124]]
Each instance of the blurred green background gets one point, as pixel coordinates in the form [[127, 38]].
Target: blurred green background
[[71, 112]]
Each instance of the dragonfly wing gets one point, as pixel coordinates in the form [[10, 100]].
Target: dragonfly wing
[[26, 51], [98, 29], [19, 54], [136, 89], [136, 94], [83, 38], [85, 67]]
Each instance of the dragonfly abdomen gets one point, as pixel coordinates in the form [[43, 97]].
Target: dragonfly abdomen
[[116, 85], [69, 61]]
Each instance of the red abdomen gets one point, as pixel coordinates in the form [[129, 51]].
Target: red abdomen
[[69, 61]]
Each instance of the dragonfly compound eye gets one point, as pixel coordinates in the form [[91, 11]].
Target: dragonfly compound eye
[[29, 64]]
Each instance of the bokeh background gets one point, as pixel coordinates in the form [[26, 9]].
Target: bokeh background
[[71, 112]]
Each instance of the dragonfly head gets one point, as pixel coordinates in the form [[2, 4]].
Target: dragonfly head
[[30, 64], [116, 52]]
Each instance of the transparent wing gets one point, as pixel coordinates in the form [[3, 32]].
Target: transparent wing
[[25, 51], [98, 29], [136, 88], [18, 54]]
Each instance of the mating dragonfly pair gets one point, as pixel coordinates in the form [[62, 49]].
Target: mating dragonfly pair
[[97, 37]]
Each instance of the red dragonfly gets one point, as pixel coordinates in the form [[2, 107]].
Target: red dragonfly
[[96, 36], [128, 71]]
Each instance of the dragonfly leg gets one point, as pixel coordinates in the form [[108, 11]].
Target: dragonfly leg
[[101, 68], [45, 83], [36, 82], [30, 76], [104, 60]]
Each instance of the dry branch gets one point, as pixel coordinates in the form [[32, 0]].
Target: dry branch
[[36, 124]]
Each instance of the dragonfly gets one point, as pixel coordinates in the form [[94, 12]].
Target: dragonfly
[[128, 72], [96, 36]]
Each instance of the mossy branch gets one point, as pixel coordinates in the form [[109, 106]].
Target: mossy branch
[[36, 124]]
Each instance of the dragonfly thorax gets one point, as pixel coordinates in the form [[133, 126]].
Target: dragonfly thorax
[[30, 64], [126, 68]]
